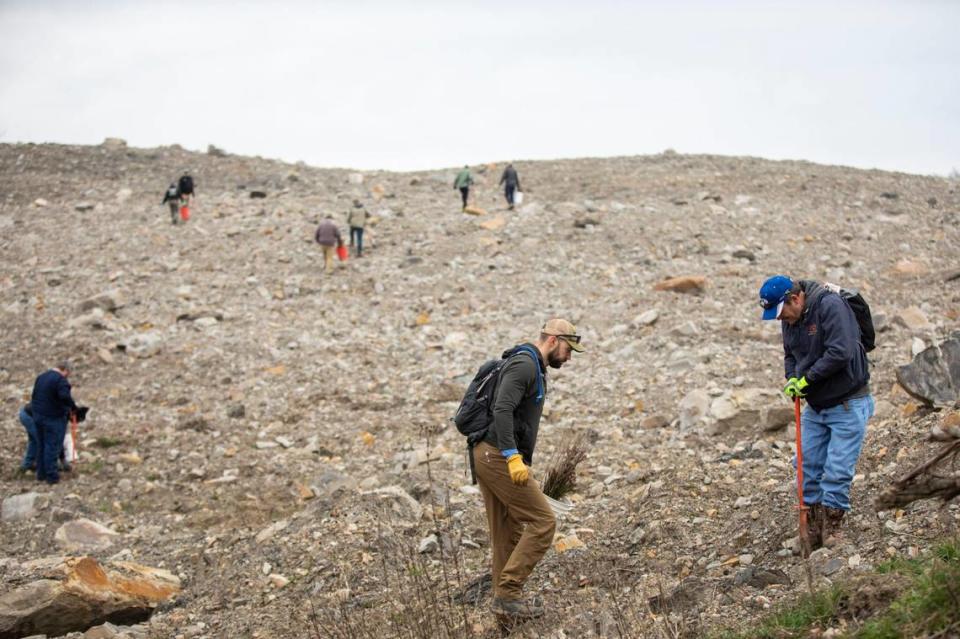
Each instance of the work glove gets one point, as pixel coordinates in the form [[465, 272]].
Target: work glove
[[519, 472], [795, 387], [81, 413]]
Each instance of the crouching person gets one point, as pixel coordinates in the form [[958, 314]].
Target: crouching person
[[520, 520]]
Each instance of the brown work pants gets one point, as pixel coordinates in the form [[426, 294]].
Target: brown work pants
[[520, 520], [328, 253]]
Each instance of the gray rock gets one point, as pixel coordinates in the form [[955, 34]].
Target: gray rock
[[693, 409], [934, 375], [23, 506], [236, 410], [107, 301], [84, 535], [428, 544], [647, 318], [142, 345]]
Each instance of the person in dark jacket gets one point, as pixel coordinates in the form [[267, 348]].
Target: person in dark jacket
[[520, 520], [172, 199], [51, 403], [825, 364], [329, 238], [511, 184]]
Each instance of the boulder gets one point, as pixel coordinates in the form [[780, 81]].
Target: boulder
[[647, 318], [114, 143], [691, 284], [693, 408], [84, 535], [142, 345], [494, 224], [933, 376], [913, 319], [107, 301], [24, 506], [72, 594]]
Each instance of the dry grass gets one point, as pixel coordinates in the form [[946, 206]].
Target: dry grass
[[561, 476]]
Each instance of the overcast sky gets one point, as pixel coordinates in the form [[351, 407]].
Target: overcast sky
[[411, 85]]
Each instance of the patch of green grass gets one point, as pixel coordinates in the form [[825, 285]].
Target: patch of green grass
[[929, 605], [108, 442]]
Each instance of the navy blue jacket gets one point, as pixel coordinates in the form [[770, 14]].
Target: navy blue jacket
[[824, 346], [51, 396]]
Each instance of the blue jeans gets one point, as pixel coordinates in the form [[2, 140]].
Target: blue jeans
[[30, 458], [356, 232], [50, 433], [832, 440]]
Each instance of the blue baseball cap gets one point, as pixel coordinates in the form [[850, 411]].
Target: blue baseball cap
[[772, 295]]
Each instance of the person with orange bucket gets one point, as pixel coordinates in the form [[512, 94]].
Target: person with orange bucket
[[328, 237], [185, 189]]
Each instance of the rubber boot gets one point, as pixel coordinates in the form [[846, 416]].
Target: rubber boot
[[832, 519], [815, 525]]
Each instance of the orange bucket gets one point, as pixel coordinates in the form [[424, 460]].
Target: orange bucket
[[184, 213], [342, 253]]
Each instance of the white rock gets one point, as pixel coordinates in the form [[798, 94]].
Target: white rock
[[23, 506]]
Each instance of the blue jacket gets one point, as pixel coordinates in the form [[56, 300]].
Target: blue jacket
[[51, 396], [824, 346]]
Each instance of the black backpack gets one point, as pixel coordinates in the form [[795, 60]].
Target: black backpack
[[474, 414], [186, 185], [861, 310]]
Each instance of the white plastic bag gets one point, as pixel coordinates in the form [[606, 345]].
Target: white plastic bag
[[517, 197], [69, 447]]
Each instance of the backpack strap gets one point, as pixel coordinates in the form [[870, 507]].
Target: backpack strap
[[536, 362]]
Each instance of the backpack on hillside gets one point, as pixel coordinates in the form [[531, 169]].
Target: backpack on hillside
[[185, 186], [475, 413], [861, 310]]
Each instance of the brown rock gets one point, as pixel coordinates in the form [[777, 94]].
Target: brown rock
[[74, 593], [909, 268], [685, 284], [654, 422], [494, 224]]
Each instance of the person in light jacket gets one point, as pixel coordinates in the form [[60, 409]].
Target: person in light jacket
[[356, 219]]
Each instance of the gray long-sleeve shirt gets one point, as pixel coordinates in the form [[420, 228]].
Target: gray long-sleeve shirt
[[516, 409]]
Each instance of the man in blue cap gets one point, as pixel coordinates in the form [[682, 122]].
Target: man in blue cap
[[825, 364]]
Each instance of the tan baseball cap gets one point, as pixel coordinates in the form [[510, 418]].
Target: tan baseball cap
[[565, 331]]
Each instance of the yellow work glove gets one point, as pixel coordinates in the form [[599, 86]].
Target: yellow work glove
[[519, 472], [795, 387]]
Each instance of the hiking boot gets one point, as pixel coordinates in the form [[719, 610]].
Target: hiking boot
[[815, 525], [832, 519], [526, 608]]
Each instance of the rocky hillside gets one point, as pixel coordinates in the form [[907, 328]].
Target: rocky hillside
[[279, 439]]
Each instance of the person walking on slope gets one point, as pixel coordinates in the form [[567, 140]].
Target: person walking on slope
[[51, 404], [520, 520], [328, 237], [511, 184], [356, 219], [826, 364], [463, 182], [185, 189], [172, 199]]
